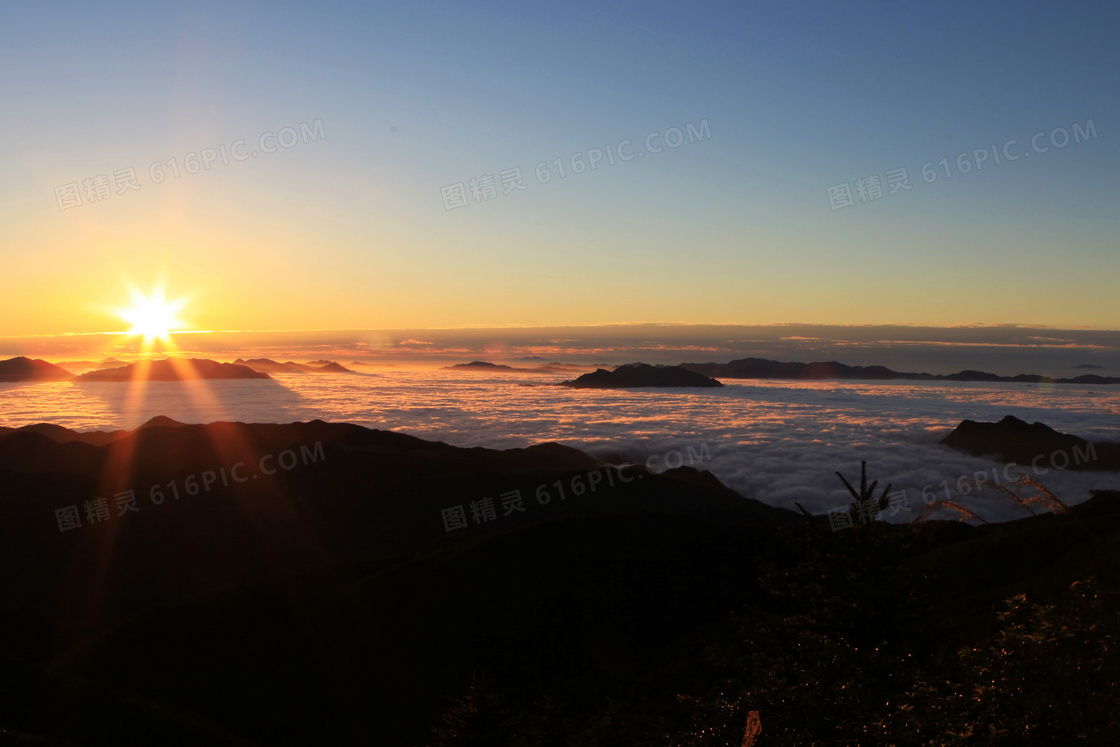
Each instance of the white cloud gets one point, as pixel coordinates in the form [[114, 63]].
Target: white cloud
[[778, 442]]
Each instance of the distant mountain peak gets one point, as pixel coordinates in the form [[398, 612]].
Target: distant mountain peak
[[1015, 440], [482, 365], [22, 368], [269, 366], [761, 368], [174, 369], [162, 421], [635, 375]]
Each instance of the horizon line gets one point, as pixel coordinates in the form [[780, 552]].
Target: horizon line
[[862, 325]]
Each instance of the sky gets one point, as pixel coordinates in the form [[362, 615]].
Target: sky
[[348, 149]]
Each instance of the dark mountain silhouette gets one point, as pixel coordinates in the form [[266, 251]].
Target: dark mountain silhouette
[[1013, 440], [162, 421], [331, 367], [177, 369], [352, 492], [87, 365], [325, 603], [32, 369], [62, 435], [1090, 379], [642, 375], [266, 365], [480, 366], [487, 366], [761, 368]]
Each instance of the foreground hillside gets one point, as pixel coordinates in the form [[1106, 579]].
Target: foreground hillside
[[303, 588]]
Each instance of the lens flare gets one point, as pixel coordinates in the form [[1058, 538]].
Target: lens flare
[[153, 317]]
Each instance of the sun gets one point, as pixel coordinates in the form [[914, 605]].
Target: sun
[[153, 317]]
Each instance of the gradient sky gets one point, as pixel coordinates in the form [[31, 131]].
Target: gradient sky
[[351, 231]]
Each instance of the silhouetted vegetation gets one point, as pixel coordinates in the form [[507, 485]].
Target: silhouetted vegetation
[[851, 644], [667, 612]]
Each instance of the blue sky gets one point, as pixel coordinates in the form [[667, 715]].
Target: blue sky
[[352, 231]]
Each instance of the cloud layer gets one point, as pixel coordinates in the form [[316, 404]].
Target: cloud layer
[[778, 442]]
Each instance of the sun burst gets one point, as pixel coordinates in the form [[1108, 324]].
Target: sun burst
[[153, 317]]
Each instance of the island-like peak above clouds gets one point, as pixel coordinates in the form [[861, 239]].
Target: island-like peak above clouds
[[761, 368], [1015, 440], [641, 375], [554, 367], [32, 369], [267, 365], [174, 369], [331, 367], [75, 366], [479, 366]]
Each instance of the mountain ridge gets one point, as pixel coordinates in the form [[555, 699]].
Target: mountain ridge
[[763, 368], [174, 369]]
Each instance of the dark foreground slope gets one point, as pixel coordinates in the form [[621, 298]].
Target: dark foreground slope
[[322, 601], [189, 506], [189, 511]]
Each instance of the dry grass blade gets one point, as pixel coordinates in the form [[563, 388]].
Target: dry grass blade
[[1014, 491], [1024, 491], [963, 512]]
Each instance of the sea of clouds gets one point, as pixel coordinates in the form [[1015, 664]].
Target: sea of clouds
[[779, 442]]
